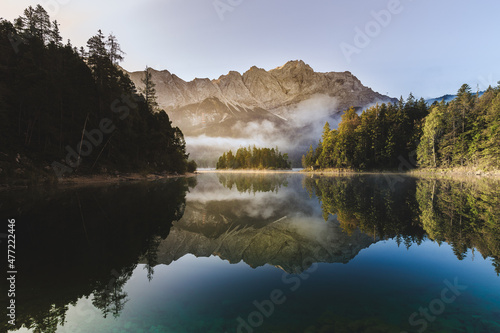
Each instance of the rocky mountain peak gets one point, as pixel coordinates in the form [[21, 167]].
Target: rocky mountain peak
[[252, 96], [294, 65]]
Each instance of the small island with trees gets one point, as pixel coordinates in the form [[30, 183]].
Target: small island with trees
[[254, 158]]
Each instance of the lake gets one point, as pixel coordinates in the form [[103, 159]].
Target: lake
[[282, 252]]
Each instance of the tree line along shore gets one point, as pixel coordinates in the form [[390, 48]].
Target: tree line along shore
[[68, 111], [462, 136]]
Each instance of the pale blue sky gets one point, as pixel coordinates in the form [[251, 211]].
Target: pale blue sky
[[426, 47]]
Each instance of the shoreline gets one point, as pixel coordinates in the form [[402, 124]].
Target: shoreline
[[452, 172], [472, 172], [120, 178], [247, 171], [425, 172], [94, 180]]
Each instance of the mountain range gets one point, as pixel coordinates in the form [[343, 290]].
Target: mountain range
[[286, 106], [212, 107]]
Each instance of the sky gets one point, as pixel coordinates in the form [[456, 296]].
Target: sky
[[428, 48]]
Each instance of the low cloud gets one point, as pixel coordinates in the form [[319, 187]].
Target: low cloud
[[303, 126]]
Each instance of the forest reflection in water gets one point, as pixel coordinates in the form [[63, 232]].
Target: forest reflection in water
[[463, 213], [96, 238], [254, 182], [80, 242]]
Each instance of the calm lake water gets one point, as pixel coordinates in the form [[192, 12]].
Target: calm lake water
[[259, 253]]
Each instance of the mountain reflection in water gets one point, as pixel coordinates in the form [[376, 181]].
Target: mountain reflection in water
[[269, 226]]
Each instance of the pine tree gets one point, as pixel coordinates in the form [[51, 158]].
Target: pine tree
[[98, 59], [434, 126], [114, 50], [308, 159], [97, 48], [490, 142], [326, 131], [347, 137], [26, 23], [149, 90], [42, 24], [55, 36]]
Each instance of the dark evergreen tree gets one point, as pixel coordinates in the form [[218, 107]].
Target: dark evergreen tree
[[115, 52], [55, 36], [149, 90]]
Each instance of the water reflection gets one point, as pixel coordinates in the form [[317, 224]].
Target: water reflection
[[84, 242], [284, 230], [465, 214], [254, 182], [89, 244]]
